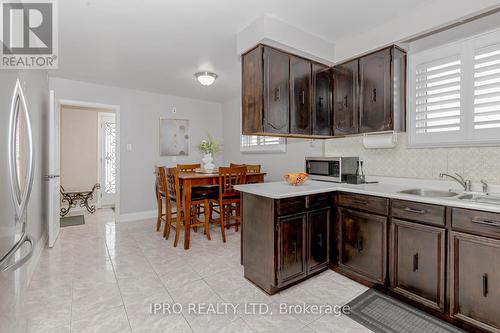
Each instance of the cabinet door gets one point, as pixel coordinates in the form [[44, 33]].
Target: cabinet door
[[375, 113], [345, 100], [292, 250], [318, 239], [322, 110], [276, 91], [417, 262], [475, 280], [252, 91], [300, 108], [363, 244]]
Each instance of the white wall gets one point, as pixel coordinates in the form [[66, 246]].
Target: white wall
[[275, 164], [430, 16], [78, 148], [139, 117]]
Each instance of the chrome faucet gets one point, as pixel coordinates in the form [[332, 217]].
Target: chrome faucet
[[485, 186], [466, 184]]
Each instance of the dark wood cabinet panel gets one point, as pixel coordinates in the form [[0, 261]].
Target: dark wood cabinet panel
[[475, 280], [375, 110], [416, 211], [300, 106], [418, 262], [363, 244], [292, 251], [276, 91], [368, 203], [318, 239], [322, 104], [476, 222], [345, 98], [252, 80]]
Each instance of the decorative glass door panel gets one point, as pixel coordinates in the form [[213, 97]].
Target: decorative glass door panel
[[108, 159]]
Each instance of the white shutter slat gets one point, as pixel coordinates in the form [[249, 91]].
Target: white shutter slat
[[437, 96], [487, 96]]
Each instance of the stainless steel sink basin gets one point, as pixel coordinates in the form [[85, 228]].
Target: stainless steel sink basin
[[488, 199], [429, 193]]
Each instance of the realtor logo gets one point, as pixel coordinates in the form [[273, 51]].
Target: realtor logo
[[28, 34]]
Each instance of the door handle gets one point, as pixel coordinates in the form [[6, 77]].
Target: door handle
[[374, 94], [413, 210], [25, 238], [486, 222], [320, 101], [485, 285], [345, 101], [320, 240], [277, 93], [303, 97], [359, 244], [415, 262]]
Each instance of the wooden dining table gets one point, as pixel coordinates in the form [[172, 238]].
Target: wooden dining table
[[188, 180]]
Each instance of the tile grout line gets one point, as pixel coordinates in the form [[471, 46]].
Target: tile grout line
[[116, 277], [163, 284]]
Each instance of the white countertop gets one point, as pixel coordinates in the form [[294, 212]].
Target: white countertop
[[280, 190]]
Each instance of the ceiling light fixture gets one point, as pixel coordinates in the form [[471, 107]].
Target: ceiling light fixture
[[206, 78]]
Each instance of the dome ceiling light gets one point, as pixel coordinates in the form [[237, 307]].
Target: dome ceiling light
[[206, 78]]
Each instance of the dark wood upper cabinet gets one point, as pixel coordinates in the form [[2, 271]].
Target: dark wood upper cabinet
[[375, 112], [276, 91], [381, 91], [322, 105], [418, 262], [318, 239], [300, 106], [475, 280], [345, 98], [363, 244], [252, 78]]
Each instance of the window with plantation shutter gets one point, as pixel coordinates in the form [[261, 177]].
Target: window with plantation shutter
[[455, 93], [258, 144], [487, 88]]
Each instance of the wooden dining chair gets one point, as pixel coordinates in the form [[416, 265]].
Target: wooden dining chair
[[170, 179], [229, 198], [188, 167], [160, 196], [251, 168]]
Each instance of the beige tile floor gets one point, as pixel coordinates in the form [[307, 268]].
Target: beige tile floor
[[103, 277]]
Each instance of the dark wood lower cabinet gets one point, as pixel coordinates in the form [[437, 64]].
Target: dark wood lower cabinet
[[291, 248], [475, 280], [318, 240], [363, 244], [286, 240], [418, 262]]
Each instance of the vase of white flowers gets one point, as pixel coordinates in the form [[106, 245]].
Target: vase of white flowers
[[209, 148]]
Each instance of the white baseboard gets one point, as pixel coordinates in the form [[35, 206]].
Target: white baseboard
[[137, 216]]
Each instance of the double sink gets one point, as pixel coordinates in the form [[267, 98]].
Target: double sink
[[482, 198]]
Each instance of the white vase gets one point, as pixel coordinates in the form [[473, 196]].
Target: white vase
[[208, 162]]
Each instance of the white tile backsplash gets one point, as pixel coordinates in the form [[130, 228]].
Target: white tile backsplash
[[473, 163]]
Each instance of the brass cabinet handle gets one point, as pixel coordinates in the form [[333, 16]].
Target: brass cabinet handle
[[413, 210], [415, 262]]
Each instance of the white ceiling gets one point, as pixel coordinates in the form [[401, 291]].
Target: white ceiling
[[157, 45]]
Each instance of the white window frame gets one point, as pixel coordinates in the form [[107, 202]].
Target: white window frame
[[261, 146], [467, 135]]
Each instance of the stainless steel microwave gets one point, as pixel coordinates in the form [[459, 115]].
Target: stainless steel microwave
[[333, 169]]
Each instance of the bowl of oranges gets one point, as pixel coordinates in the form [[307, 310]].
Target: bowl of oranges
[[296, 179]]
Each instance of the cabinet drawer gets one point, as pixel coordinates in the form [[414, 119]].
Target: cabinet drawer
[[364, 202], [290, 206], [317, 201], [420, 212], [476, 222]]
